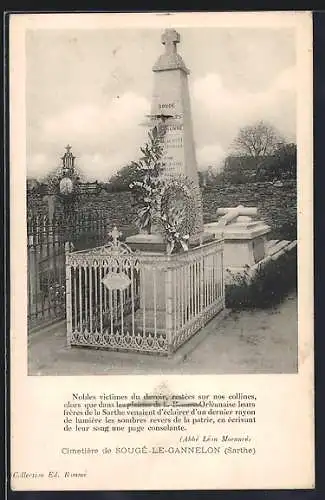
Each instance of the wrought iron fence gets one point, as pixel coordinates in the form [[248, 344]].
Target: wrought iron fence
[[132, 301], [46, 258]]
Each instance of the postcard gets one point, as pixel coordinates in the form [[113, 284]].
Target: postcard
[[161, 187]]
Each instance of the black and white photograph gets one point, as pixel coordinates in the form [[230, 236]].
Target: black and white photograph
[[161, 200], [161, 176]]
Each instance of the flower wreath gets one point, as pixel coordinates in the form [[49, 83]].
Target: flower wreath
[[178, 209]]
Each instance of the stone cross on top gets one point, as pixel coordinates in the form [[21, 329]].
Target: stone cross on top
[[170, 38], [68, 160], [170, 59], [115, 235]]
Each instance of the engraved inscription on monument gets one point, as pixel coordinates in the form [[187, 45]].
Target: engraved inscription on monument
[[171, 105]]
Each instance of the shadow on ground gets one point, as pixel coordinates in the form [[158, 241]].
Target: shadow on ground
[[263, 341]]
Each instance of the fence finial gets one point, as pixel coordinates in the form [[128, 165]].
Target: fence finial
[[115, 234], [68, 247]]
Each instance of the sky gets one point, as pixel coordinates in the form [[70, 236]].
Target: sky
[[92, 89]]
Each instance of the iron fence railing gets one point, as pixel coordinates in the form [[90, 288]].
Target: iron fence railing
[[46, 258], [134, 301]]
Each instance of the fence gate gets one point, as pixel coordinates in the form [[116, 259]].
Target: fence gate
[[46, 272], [46, 258]]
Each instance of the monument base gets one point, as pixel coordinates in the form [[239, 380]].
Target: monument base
[[155, 243], [274, 249], [150, 321], [244, 242], [201, 239], [155, 286]]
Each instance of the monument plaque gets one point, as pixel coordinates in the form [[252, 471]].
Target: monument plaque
[[116, 281]]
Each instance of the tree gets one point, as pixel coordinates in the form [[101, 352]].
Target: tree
[[209, 177], [286, 156], [239, 169], [257, 141], [282, 164], [123, 178]]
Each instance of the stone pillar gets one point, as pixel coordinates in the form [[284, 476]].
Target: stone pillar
[[171, 104], [170, 109], [51, 200], [153, 301], [33, 274]]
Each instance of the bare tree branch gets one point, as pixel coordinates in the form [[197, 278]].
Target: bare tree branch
[[258, 140]]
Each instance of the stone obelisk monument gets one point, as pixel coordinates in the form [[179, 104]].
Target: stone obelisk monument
[[171, 109], [171, 103]]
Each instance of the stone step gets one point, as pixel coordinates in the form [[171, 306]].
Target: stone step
[[276, 247]]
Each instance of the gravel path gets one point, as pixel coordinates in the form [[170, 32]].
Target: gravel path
[[263, 341]]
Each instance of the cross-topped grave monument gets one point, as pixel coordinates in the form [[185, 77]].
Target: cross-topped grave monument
[[171, 103], [171, 107], [160, 296], [171, 110]]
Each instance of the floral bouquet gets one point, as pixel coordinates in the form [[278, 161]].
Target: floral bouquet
[[172, 224], [148, 187], [148, 199]]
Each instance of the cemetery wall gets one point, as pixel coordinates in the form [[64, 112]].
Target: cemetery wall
[[276, 205]]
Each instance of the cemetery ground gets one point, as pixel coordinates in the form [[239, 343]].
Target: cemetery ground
[[247, 342]]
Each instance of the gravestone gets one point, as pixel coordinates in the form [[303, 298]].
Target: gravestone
[[171, 110], [245, 238], [171, 103]]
